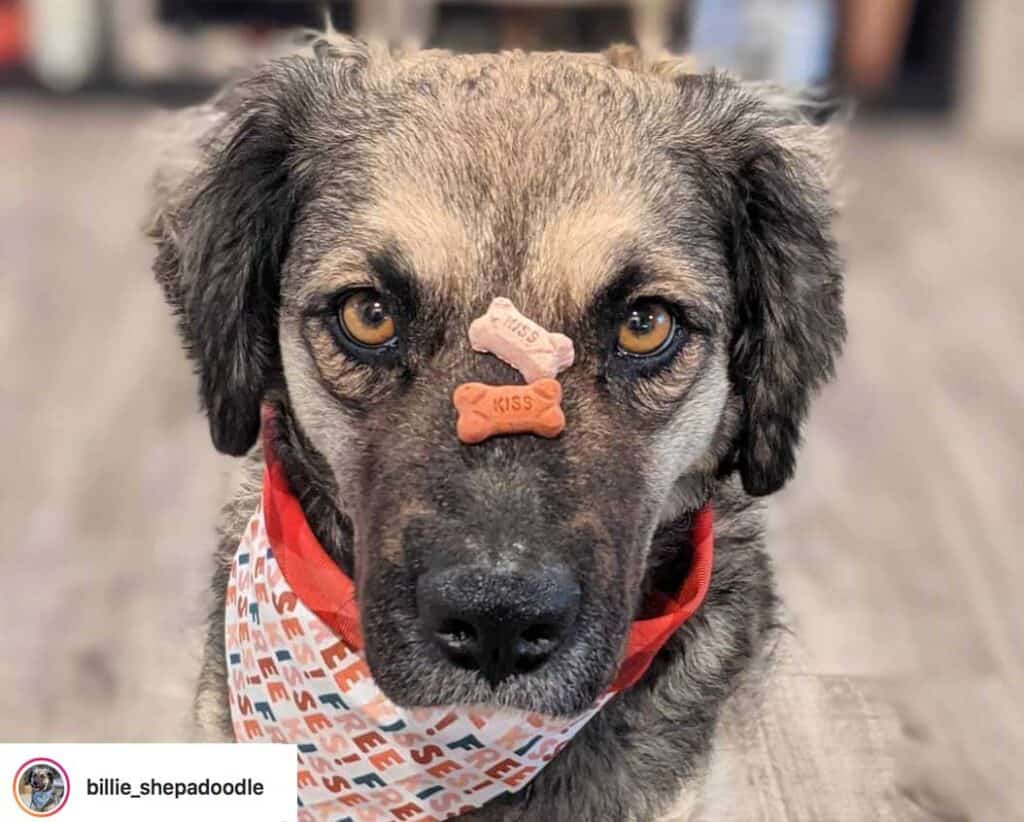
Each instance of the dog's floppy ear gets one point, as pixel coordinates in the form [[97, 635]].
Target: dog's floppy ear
[[221, 232], [788, 279], [226, 200]]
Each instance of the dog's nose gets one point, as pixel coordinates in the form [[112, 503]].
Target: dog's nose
[[498, 622]]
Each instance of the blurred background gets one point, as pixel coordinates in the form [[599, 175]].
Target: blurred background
[[898, 545]]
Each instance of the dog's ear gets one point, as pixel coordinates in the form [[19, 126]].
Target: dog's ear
[[221, 228], [789, 324], [226, 199]]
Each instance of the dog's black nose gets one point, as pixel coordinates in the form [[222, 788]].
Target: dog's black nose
[[498, 622]]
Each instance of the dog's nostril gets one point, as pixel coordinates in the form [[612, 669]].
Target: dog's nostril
[[457, 632], [460, 642], [538, 634], [534, 645]]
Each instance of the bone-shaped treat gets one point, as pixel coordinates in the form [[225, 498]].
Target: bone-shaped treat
[[519, 341], [488, 410]]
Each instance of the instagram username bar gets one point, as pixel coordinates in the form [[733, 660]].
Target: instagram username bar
[[153, 782], [111, 787]]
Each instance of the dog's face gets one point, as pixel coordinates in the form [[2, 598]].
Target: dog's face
[[40, 779], [351, 214]]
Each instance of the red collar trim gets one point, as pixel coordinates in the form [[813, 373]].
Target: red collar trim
[[322, 587]]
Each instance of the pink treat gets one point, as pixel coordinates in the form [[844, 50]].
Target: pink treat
[[520, 342]]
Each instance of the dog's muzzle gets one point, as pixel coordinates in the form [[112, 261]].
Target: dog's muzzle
[[297, 673]]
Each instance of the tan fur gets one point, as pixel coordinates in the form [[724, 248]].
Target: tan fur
[[547, 179]]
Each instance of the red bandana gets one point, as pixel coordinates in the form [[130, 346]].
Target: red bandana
[[331, 595]]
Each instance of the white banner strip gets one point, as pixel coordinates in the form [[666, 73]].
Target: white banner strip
[[155, 782]]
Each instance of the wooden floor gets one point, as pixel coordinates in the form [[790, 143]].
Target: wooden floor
[[898, 546]]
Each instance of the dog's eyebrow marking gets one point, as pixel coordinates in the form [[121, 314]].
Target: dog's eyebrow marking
[[584, 241], [390, 269], [630, 279], [634, 281], [386, 269], [436, 242], [606, 247]]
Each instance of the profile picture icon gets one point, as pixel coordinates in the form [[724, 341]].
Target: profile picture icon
[[41, 787]]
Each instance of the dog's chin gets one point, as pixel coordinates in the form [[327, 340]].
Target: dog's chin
[[550, 695], [565, 686]]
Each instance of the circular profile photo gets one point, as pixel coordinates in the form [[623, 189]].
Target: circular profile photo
[[41, 787]]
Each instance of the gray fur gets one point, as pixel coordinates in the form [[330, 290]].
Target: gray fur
[[572, 184]]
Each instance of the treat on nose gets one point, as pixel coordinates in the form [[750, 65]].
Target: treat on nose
[[498, 622], [488, 410], [517, 340]]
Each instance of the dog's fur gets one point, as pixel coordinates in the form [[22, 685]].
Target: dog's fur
[[571, 184]]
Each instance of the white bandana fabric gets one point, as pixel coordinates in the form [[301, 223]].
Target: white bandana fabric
[[293, 680]]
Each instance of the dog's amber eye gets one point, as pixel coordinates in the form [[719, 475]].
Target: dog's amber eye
[[366, 319], [646, 329]]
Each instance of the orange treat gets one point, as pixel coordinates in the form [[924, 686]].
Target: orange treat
[[488, 410], [519, 341]]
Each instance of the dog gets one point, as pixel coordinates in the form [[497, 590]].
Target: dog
[[39, 790], [610, 196]]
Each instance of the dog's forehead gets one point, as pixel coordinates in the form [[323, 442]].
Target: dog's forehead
[[520, 175]]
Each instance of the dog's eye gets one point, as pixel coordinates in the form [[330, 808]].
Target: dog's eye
[[366, 320], [646, 329]]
